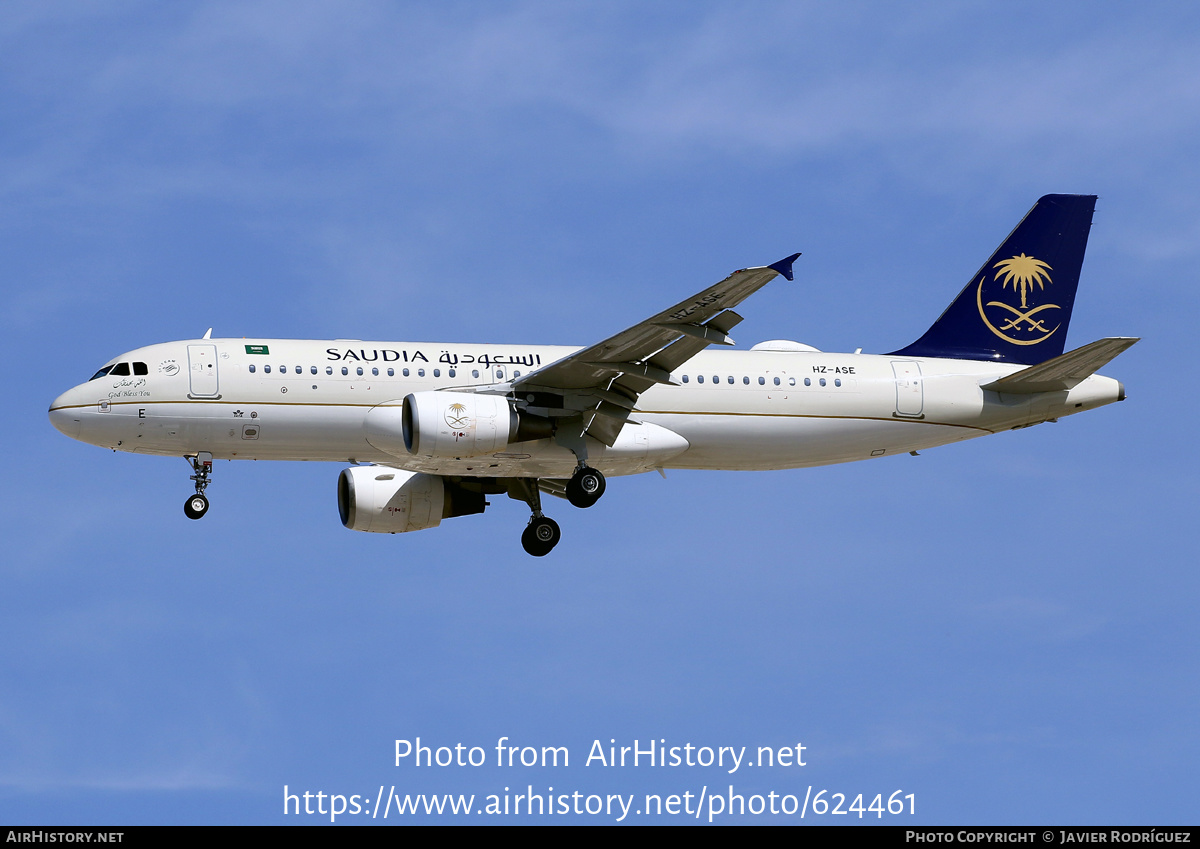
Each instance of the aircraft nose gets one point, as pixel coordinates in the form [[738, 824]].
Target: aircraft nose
[[65, 417]]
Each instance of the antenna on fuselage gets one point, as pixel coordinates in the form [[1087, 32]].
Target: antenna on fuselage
[[207, 334]]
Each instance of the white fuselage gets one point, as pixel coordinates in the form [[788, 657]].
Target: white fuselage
[[758, 409]]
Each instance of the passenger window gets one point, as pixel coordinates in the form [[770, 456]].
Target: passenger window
[[360, 371], [267, 369], [391, 372], [437, 372], [762, 381], [792, 381], [120, 370], [405, 372], [252, 368], [140, 368], [420, 372], [299, 369], [777, 381], [452, 372], [329, 369], [808, 381], [345, 370], [837, 381], [474, 373], [313, 369], [731, 378], [375, 372], [822, 381], [716, 378], [746, 381], [699, 378], [516, 374], [685, 378]]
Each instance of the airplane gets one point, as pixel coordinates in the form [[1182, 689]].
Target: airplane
[[431, 430]]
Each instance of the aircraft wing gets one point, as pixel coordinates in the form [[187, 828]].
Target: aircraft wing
[[606, 379]]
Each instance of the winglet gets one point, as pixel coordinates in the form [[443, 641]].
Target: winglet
[[784, 266]]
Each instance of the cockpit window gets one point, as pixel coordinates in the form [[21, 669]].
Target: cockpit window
[[120, 370], [101, 373], [140, 368]]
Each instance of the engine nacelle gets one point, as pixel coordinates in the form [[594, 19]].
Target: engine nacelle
[[392, 501], [389, 501], [457, 424]]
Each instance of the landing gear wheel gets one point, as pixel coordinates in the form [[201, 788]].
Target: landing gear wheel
[[585, 487], [196, 506], [540, 536]]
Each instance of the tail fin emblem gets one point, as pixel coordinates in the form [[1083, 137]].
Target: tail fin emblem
[[1020, 324]]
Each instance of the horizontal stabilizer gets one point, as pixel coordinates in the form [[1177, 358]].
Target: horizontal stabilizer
[[1064, 371]]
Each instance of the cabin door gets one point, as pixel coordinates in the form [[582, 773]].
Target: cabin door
[[202, 370], [910, 394]]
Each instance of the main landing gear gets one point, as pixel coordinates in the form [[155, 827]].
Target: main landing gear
[[585, 486], [542, 533], [197, 505], [540, 536]]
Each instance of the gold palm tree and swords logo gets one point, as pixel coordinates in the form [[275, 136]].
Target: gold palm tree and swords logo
[[458, 419], [1024, 325]]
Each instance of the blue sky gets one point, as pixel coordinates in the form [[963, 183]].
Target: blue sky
[[1004, 627]]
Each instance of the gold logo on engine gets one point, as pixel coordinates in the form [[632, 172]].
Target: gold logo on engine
[[456, 416]]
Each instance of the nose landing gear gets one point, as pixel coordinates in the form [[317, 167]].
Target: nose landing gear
[[197, 505]]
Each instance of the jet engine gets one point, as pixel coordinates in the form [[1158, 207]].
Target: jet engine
[[442, 424], [457, 424], [451, 424], [392, 501], [389, 501]]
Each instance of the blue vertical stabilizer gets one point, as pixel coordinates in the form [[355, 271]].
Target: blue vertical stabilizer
[[1018, 305]]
